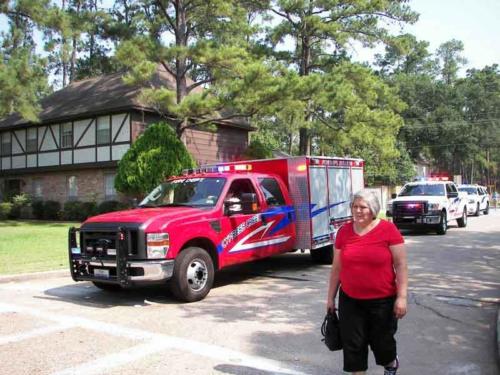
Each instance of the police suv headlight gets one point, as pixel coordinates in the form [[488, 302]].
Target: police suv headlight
[[157, 245], [433, 206]]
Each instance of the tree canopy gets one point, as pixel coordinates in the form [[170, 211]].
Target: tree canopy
[[283, 65]]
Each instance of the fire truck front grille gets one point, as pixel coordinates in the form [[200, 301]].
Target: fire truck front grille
[[103, 244], [409, 208]]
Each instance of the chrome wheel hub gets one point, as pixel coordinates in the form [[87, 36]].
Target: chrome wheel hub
[[197, 274]]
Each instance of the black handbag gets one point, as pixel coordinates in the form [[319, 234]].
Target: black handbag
[[330, 330]]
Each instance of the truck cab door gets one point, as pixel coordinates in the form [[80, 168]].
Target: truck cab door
[[248, 235]]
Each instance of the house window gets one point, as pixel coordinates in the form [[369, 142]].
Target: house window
[[37, 188], [67, 135], [109, 186], [72, 188], [6, 145], [31, 141], [103, 131]]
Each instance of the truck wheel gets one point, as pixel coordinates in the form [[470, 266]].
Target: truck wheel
[[443, 224], [462, 222], [193, 275], [487, 209], [478, 211], [323, 255], [107, 287]]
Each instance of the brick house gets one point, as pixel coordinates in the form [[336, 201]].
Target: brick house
[[84, 130]]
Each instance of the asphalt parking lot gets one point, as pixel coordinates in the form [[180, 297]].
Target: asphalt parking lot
[[261, 318]]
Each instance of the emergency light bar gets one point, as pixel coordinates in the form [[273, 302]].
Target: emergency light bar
[[218, 169], [337, 162]]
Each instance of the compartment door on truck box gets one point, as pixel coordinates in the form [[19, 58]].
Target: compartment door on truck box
[[319, 205], [339, 193]]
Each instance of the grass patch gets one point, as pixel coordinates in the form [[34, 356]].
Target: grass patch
[[33, 246]]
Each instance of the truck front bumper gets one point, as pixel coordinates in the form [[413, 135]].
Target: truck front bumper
[[119, 269], [140, 272], [416, 221]]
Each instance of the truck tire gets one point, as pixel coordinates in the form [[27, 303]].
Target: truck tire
[[487, 209], [193, 275], [462, 222], [323, 255], [107, 287], [478, 211], [443, 224]]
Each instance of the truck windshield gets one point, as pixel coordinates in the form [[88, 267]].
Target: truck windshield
[[422, 189], [195, 192], [468, 190]]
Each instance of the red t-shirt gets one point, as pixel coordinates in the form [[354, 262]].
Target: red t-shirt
[[367, 269]]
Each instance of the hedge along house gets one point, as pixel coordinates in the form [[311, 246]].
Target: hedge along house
[[84, 130]]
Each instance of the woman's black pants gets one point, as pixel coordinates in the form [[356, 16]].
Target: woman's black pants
[[363, 323]]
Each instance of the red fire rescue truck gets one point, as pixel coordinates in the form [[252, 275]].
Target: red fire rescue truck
[[216, 216]]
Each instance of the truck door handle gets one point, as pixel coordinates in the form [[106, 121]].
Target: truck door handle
[[263, 218]]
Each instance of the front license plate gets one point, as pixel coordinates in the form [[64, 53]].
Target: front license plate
[[99, 272]]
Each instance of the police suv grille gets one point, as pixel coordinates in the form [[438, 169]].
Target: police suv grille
[[409, 208]]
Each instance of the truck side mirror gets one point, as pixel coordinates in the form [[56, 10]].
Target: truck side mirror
[[394, 195], [232, 206]]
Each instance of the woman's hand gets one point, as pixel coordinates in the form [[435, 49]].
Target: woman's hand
[[330, 305], [400, 307]]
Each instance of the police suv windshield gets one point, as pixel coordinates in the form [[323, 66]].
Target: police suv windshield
[[468, 190], [422, 189], [194, 192]]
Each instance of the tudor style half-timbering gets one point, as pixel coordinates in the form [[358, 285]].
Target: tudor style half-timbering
[[85, 129]]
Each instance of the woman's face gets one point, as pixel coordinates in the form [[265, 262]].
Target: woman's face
[[361, 213]]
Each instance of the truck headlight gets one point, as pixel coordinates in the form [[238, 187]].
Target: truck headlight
[[157, 245], [433, 206]]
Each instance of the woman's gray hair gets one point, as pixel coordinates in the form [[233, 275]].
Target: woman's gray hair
[[370, 199]]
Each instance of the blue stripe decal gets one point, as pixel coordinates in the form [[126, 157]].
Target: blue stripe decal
[[285, 220], [323, 209]]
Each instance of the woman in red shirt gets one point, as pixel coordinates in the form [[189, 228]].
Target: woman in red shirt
[[370, 270]]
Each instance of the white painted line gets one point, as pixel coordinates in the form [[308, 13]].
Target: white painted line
[[8, 339], [155, 343], [111, 361]]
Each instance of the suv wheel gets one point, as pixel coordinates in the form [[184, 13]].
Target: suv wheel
[[462, 222], [443, 224], [487, 209], [193, 275], [478, 210]]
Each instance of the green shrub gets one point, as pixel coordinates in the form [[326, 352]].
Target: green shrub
[[51, 210], [78, 211], [18, 203], [5, 210], [110, 206], [156, 155], [37, 208]]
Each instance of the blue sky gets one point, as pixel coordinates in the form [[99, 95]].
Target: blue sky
[[474, 22]]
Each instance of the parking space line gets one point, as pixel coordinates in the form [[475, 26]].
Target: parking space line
[[8, 339], [154, 343]]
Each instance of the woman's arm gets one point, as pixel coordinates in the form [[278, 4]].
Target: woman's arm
[[333, 285], [401, 268]]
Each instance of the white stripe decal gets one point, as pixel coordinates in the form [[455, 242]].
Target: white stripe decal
[[241, 245], [154, 343]]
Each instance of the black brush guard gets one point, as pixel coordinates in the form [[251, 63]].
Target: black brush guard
[[80, 264]]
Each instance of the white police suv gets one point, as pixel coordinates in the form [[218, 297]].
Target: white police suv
[[478, 199]]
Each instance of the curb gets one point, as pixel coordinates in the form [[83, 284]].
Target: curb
[[32, 276]]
